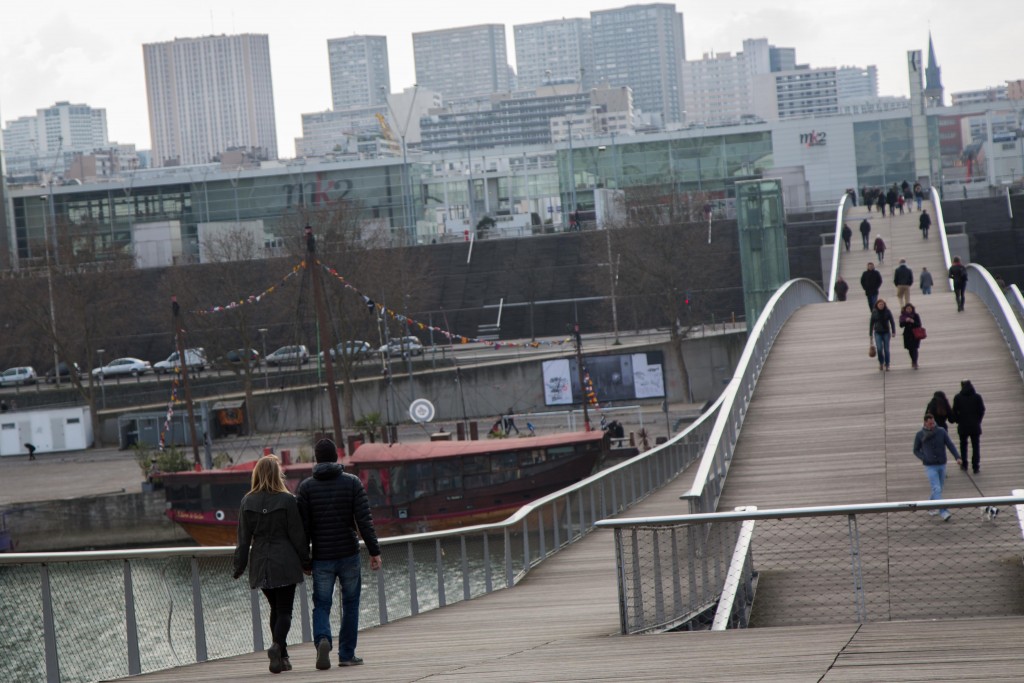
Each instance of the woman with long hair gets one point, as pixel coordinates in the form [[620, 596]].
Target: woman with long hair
[[881, 329], [940, 409], [272, 542], [910, 321]]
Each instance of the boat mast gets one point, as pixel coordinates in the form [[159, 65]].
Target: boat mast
[[179, 334], [579, 370], [324, 332]]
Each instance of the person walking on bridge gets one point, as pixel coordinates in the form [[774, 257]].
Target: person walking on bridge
[[958, 274], [333, 505], [903, 278], [846, 234], [924, 222], [865, 231], [880, 249], [926, 281], [272, 543], [968, 412], [871, 282], [910, 321], [930, 447], [881, 329]]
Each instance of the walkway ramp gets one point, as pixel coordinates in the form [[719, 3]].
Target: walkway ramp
[[826, 427]]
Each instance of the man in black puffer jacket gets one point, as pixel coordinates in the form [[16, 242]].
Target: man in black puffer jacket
[[332, 505]]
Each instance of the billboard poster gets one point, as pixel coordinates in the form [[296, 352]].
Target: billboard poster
[[620, 377]]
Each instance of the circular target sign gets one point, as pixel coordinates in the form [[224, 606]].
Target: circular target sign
[[421, 410]]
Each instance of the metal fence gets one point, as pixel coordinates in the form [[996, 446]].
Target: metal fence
[[100, 615], [825, 565]]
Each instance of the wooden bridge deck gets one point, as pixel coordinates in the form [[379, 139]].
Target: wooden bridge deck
[[825, 427]]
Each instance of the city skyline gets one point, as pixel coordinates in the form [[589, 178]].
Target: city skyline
[[58, 52]]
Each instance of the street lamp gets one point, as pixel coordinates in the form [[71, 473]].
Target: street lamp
[[49, 286], [103, 383], [408, 205], [266, 378]]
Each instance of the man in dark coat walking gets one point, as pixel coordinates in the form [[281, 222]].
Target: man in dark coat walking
[[865, 230], [958, 274], [333, 505], [871, 282], [924, 222], [846, 235], [968, 412]]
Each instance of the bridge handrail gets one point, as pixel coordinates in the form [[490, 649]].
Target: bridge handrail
[[981, 283], [714, 464], [940, 225], [653, 597], [837, 241], [461, 563]]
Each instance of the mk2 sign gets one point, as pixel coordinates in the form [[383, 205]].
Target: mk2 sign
[[813, 139]]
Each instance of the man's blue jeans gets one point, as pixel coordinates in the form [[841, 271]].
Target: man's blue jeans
[[348, 571], [937, 477]]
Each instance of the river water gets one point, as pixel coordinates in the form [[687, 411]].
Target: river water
[[89, 607]]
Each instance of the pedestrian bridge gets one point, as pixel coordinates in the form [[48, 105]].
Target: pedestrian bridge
[[832, 563]]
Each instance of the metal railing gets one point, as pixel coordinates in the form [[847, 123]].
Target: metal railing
[[837, 244], [820, 565], [731, 406], [101, 615]]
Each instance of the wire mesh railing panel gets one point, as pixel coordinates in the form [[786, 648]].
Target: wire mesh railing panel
[[837, 565], [671, 573], [162, 595], [805, 574], [226, 609], [89, 639], [969, 567], [21, 607]]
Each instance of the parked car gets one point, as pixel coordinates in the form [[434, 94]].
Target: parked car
[[123, 366], [295, 354], [25, 374], [403, 346], [355, 349], [195, 359], [242, 356], [66, 372]]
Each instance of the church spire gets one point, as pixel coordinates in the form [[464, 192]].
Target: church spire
[[933, 90]]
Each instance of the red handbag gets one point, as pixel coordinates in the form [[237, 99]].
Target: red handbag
[[919, 333]]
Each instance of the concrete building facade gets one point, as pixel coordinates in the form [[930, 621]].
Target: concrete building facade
[[643, 47], [462, 62], [207, 95], [360, 75], [47, 142], [559, 51]]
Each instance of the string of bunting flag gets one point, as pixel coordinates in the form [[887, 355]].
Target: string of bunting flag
[[170, 410], [412, 323], [254, 298]]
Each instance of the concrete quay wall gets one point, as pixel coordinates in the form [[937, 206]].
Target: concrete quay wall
[[114, 520]]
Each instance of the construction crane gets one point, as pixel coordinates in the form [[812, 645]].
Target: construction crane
[[385, 128]]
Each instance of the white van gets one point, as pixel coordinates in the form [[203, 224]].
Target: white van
[[195, 359]]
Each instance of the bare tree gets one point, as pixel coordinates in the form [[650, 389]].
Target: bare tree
[[74, 300], [663, 263]]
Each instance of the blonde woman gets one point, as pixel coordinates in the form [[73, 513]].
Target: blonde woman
[[271, 541]]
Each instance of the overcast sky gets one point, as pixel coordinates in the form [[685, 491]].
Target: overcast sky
[[91, 52]]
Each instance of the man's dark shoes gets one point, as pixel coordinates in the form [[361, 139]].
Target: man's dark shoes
[[355, 661], [276, 662], [323, 654], [287, 663]]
